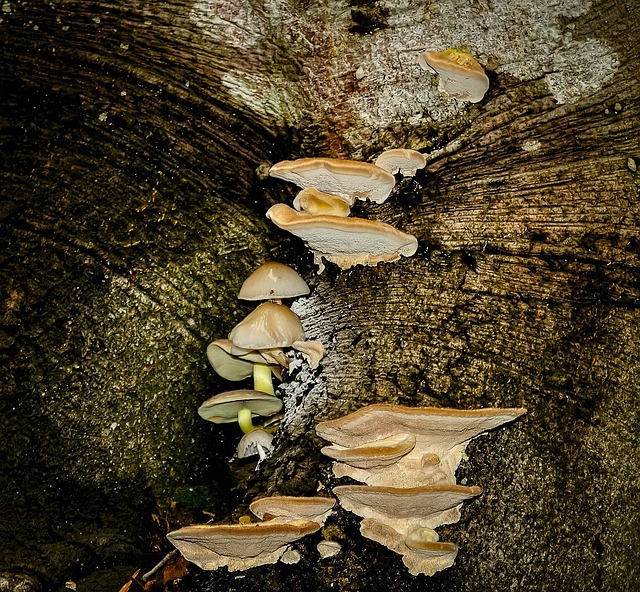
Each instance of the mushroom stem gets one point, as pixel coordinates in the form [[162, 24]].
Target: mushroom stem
[[244, 420], [262, 379]]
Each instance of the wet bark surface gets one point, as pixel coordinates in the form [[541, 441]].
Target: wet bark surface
[[132, 207]]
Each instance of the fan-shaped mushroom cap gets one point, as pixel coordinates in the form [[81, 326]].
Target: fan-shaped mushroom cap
[[379, 453], [316, 202], [301, 508], [270, 325], [273, 280], [461, 76], [401, 159], [441, 436], [239, 546], [406, 509], [349, 179], [345, 241], [224, 408]]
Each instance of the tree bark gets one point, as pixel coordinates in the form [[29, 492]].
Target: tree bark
[[135, 139]]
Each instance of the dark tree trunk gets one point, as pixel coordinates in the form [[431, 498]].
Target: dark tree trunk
[[135, 137]]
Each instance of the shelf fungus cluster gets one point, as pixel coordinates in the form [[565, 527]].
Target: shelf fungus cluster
[[407, 458], [284, 520], [259, 347], [320, 213]]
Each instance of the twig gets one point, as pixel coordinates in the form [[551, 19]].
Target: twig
[[166, 559]]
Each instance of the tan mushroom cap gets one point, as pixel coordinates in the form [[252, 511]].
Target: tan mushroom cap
[[269, 326], [223, 408], [238, 546], [349, 179], [461, 76], [316, 508], [273, 280], [345, 241], [316, 202], [379, 453], [444, 427], [401, 159], [426, 505]]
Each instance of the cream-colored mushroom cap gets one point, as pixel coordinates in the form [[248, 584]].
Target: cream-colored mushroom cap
[[273, 280], [379, 453], [349, 179], [461, 76], [223, 408], [345, 241], [269, 326], [238, 546], [302, 508], [401, 159], [318, 203]]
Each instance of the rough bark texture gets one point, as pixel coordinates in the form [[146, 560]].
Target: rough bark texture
[[134, 142]]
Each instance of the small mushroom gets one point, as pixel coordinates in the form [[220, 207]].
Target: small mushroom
[[316, 509], [461, 76], [349, 179], [318, 203], [401, 159], [239, 546], [328, 549], [269, 326], [344, 241], [273, 281], [241, 406], [256, 442]]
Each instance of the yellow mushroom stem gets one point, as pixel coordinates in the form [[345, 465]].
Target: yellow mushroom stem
[[262, 379], [244, 420]]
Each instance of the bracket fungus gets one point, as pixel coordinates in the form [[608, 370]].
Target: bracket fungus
[[319, 203], [406, 508], [241, 406], [401, 159], [461, 76], [344, 241], [349, 179], [316, 509], [240, 546], [441, 436]]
